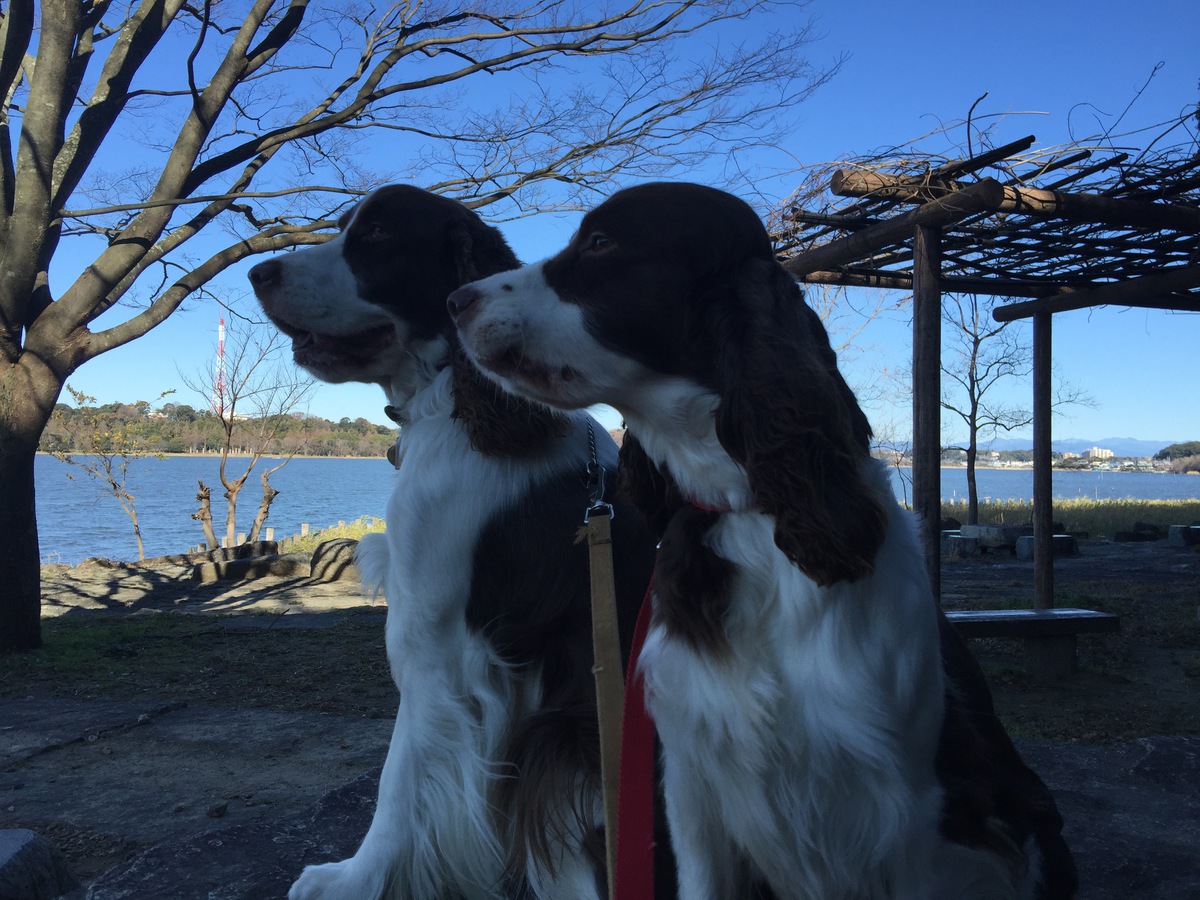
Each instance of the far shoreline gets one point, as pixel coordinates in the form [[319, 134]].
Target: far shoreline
[[210, 455], [945, 465]]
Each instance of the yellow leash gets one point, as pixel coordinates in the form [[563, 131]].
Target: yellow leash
[[606, 652]]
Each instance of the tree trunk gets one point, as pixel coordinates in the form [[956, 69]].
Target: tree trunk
[[204, 515], [29, 389], [264, 507], [137, 533], [126, 500], [20, 565], [972, 490], [231, 495]]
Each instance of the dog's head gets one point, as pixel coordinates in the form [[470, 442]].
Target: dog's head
[[678, 282], [361, 306], [370, 306]]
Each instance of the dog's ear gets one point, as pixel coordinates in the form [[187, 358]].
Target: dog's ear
[[790, 419], [651, 490], [497, 423], [479, 249]]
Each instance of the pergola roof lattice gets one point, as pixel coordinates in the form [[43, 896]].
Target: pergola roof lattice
[[1072, 227], [1014, 222]]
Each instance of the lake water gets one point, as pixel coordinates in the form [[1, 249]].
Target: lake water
[[78, 519]]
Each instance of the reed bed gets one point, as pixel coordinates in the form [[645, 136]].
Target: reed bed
[[1096, 518], [352, 530]]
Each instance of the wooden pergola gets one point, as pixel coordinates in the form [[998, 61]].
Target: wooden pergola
[[1069, 228]]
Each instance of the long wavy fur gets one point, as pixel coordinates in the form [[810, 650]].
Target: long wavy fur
[[790, 419], [497, 423]]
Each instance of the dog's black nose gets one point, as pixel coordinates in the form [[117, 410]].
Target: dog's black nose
[[462, 300], [265, 273]]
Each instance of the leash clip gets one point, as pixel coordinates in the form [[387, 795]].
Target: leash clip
[[593, 480], [595, 492]]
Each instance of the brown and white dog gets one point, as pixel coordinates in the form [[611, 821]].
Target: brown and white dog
[[826, 735], [491, 784]]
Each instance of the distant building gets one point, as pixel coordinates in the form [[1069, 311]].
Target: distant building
[[1067, 454], [1097, 453]]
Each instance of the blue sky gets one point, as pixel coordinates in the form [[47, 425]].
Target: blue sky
[[1057, 68]]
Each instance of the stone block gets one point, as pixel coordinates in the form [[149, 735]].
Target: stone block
[[32, 868], [947, 534], [1061, 545], [289, 565], [334, 561], [1183, 535], [993, 536], [961, 547]]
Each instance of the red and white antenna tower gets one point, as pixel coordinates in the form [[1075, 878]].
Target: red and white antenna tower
[[218, 396]]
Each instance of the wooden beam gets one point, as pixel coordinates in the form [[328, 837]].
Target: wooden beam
[[927, 398], [975, 163], [903, 281], [1147, 291], [1078, 207], [980, 196], [1043, 484]]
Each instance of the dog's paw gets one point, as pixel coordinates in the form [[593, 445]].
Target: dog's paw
[[334, 881]]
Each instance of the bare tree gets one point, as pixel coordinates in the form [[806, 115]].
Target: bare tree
[[144, 125], [253, 398], [978, 355], [106, 455]]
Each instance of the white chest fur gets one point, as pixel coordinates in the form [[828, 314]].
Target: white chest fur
[[807, 749]]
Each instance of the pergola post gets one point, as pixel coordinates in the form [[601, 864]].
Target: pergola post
[[1043, 483], [927, 397]]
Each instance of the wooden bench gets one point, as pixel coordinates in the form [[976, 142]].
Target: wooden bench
[[1049, 634]]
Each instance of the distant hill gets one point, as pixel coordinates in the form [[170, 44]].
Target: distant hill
[[1120, 446]]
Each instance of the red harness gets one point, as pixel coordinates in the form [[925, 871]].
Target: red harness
[[635, 803]]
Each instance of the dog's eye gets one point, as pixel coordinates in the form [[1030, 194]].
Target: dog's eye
[[374, 231], [597, 242]]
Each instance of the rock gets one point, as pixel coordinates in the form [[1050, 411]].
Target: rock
[[32, 868], [334, 561]]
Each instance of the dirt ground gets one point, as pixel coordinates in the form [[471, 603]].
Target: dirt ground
[[1144, 680], [145, 674]]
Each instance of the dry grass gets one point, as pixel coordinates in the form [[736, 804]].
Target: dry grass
[[1098, 518], [352, 530]]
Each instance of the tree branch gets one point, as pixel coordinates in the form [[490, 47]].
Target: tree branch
[[169, 300], [41, 137], [136, 38]]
